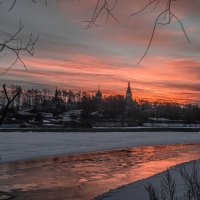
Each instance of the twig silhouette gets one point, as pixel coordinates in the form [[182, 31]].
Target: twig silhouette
[[164, 16]]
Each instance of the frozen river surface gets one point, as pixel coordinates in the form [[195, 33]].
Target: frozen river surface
[[21, 146], [85, 176]]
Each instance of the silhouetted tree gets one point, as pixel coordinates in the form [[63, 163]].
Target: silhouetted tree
[[9, 101]]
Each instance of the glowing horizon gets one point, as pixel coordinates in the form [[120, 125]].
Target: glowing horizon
[[71, 57]]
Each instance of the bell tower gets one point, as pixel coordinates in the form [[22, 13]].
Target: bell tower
[[128, 101], [98, 94], [98, 98], [129, 94]]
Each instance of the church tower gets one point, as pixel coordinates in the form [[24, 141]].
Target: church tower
[[98, 95], [56, 93], [98, 98], [129, 98]]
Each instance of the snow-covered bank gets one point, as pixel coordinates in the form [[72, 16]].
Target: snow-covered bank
[[137, 191], [18, 146]]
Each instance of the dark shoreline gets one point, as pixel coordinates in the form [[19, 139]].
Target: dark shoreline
[[115, 129]]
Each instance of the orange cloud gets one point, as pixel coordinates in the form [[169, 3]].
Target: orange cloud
[[162, 78], [71, 57]]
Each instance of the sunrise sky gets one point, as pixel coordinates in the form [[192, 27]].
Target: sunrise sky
[[71, 57]]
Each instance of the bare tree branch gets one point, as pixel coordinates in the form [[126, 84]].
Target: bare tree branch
[[164, 16], [102, 5], [15, 45], [168, 15], [14, 2]]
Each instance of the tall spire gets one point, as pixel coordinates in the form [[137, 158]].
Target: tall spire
[[128, 93], [98, 94], [56, 93], [98, 98]]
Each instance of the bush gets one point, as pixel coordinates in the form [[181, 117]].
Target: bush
[[167, 191]]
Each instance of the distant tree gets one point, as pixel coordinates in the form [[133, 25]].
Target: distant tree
[[114, 106], [88, 103], [58, 105], [18, 97]]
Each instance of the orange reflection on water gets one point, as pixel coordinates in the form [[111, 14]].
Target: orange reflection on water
[[85, 176]]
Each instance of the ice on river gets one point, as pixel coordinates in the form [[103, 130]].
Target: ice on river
[[27, 145]]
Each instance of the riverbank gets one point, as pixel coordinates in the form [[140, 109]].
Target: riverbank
[[104, 129], [137, 191]]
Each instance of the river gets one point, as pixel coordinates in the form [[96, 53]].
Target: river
[[84, 176]]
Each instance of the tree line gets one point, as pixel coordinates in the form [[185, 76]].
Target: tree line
[[112, 107]]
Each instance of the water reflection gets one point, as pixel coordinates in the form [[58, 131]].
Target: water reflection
[[88, 175]]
